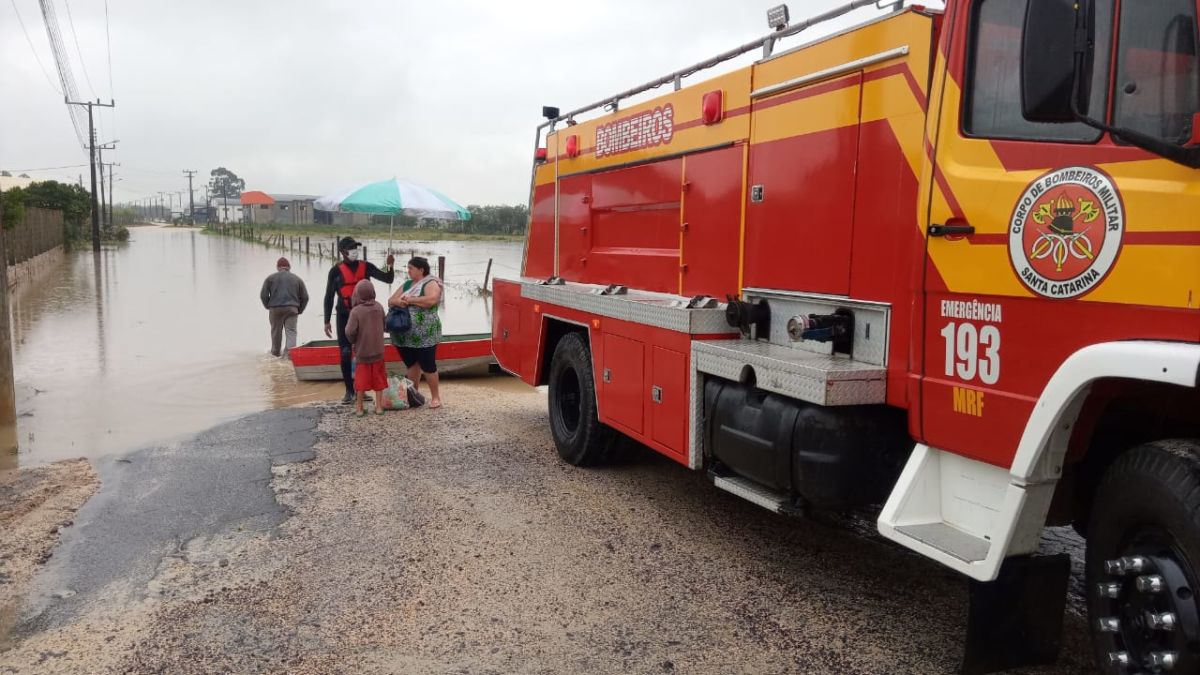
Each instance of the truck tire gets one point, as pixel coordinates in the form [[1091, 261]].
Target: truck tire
[[1142, 553], [581, 439]]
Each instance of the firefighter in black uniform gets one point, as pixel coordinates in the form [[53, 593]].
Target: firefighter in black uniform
[[342, 279]]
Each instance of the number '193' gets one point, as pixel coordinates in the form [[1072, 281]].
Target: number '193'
[[963, 345]]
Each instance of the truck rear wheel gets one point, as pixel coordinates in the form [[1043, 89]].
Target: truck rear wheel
[[581, 439], [1142, 550]]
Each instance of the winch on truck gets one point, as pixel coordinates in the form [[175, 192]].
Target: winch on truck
[[946, 262]]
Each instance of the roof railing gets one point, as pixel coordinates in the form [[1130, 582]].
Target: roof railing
[[766, 43]]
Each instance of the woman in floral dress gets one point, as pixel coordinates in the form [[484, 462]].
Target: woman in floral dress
[[421, 294]]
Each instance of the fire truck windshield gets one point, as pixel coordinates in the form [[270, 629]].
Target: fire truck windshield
[[1158, 70]]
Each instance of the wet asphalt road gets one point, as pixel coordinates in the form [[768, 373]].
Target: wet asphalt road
[[154, 500], [454, 541]]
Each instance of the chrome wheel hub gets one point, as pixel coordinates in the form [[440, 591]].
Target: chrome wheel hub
[[1148, 619]]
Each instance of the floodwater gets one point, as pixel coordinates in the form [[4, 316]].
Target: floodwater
[[165, 337]]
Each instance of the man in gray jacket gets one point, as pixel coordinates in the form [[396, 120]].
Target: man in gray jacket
[[285, 297]]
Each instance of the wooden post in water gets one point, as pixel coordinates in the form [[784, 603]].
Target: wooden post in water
[[442, 267], [487, 273], [305, 245]]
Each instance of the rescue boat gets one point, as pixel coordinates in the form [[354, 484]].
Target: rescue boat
[[319, 359]]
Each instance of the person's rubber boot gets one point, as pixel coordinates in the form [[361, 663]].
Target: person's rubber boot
[[348, 398]]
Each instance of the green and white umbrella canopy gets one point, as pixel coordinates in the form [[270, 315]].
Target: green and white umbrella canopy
[[393, 197]]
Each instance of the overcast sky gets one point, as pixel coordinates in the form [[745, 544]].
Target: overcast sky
[[308, 96]]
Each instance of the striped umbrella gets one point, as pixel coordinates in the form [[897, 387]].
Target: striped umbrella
[[393, 197]]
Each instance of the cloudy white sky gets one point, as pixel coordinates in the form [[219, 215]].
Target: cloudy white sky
[[305, 96]]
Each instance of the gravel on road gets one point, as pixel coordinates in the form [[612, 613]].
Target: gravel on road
[[455, 541]]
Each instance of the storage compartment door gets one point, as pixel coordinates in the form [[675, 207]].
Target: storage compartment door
[[712, 221], [669, 399], [622, 382], [800, 210], [506, 322]]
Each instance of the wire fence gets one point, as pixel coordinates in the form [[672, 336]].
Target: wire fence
[[474, 275]]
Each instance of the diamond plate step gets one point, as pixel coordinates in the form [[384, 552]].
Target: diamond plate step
[[753, 492], [660, 310], [815, 378], [950, 540]]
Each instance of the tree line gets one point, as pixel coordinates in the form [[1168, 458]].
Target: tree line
[[489, 219], [74, 202]]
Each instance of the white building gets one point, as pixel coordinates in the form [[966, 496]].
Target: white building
[[226, 210]]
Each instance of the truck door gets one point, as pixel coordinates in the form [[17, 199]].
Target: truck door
[[1044, 238]]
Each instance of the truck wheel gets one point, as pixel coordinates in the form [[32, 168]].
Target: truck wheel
[[578, 434], [1142, 550]]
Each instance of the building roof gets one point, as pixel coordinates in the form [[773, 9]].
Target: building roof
[[293, 198], [221, 201], [256, 197], [10, 182]]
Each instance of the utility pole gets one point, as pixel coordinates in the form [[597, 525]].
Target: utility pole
[[160, 204], [106, 217], [191, 198], [112, 196], [207, 208], [92, 161], [103, 210]]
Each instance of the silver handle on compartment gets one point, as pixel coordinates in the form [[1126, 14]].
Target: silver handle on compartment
[[656, 394], [607, 376]]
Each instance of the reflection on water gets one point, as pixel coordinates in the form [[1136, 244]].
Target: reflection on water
[[166, 336], [8, 441]]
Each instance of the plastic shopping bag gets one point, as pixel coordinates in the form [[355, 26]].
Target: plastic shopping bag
[[395, 397]]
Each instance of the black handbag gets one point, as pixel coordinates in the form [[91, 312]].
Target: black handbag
[[398, 320]]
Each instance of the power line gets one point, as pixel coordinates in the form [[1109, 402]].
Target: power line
[[32, 49], [111, 92], [78, 51], [49, 168], [65, 76]]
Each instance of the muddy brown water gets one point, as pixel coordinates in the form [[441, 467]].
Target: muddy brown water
[[165, 337]]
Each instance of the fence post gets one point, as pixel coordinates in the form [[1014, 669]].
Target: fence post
[[442, 267], [305, 245], [487, 273]]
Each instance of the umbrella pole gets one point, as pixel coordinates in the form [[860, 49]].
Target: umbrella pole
[[391, 232]]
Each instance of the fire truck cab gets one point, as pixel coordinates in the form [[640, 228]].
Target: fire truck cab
[[942, 262]]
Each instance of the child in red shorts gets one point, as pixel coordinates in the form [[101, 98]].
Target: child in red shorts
[[365, 330]]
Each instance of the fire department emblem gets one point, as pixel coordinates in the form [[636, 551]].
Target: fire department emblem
[[1066, 232]]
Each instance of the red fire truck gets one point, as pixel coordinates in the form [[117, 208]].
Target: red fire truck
[[946, 262]]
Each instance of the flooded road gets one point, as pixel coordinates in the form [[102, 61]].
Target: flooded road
[[166, 336]]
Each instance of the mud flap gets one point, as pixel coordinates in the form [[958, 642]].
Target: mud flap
[[1017, 619]]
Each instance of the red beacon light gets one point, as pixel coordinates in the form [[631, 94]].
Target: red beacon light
[[573, 145], [539, 155], [712, 107]]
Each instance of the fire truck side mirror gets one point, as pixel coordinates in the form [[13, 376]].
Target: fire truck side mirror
[[1056, 59]]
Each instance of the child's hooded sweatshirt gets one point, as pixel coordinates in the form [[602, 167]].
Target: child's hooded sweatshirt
[[365, 325]]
